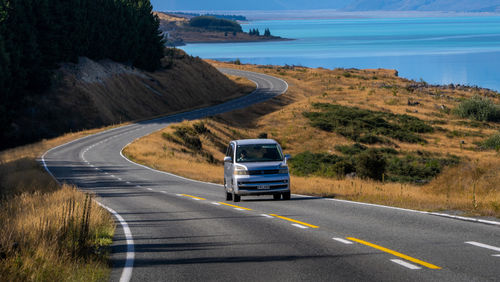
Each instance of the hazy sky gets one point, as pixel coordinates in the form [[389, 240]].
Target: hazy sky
[[178, 5]]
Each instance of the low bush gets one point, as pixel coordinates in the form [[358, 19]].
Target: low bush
[[189, 137], [417, 168], [373, 163], [492, 143], [370, 164], [478, 108], [366, 126]]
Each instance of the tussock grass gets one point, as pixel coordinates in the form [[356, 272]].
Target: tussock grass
[[437, 159], [58, 236], [44, 234]]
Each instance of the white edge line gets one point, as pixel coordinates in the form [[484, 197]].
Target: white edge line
[[343, 241], [405, 264], [477, 244], [469, 219], [238, 209], [266, 215], [214, 203], [299, 226], [129, 262], [496, 255]]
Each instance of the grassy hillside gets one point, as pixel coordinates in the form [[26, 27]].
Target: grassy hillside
[[93, 94], [364, 135]]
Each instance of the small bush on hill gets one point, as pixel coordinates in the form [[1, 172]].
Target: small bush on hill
[[367, 126], [493, 142], [479, 108], [371, 163], [189, 137]]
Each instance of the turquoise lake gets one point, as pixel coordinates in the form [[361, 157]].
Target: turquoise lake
[[459, 50]]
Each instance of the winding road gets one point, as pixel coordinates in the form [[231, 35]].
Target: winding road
[[176, 229]]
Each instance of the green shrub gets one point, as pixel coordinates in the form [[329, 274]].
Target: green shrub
[[493, 142], [350, 150], [189, 137], [308, 163], [478, 108], [417, 168], [200, 128], [370, 164], [367, 126]]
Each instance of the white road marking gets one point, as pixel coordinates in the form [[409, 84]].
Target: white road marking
[[342, 240], [490, 222], [496, 255], [266, 215], [149, 189], [481, 245], [214, 203], [164, 192], [128, 182], [300, 226], [129, 262], [405, 264], [238, 209], [138, 186], [112, 175], [119, 178], [178, 195]]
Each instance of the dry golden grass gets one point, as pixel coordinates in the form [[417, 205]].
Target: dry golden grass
[[32, 242], [381, 90], [42, 238]]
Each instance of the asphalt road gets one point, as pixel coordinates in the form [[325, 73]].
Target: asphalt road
[[175, 229]]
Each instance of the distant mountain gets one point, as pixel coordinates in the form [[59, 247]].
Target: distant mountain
[[425, 5]]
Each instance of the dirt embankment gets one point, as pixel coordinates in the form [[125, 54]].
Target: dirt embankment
[[93, 94]]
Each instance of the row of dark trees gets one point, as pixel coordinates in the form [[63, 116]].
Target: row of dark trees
[[256, 32], [36, 35], [215, 24]]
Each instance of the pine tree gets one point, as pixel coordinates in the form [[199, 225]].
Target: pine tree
[[267, 32]]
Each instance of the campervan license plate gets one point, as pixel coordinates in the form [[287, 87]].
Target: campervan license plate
[[263, 187]]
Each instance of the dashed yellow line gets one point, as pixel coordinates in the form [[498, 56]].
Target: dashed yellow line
[[234, 206], [426, 264], [194, 197], [296, 221]]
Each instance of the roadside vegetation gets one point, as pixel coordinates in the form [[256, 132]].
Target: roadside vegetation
[[363, 135], [49, 232]]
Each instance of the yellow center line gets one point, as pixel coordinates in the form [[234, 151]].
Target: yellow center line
[[238, 207], [426, 264], [194, 197], [296, 221]]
